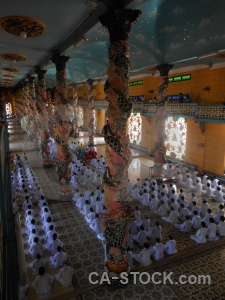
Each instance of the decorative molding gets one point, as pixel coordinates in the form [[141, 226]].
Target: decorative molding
[[13, 57], [10, 69], [17, 25]]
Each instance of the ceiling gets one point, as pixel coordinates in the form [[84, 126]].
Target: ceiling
[[175, 31]]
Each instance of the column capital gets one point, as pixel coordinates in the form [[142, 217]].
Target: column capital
[[118, 22], [60, 62], [164, 69], [40, 73], [90, 81]]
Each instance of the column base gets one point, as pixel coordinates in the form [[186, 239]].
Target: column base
[[65, 193]]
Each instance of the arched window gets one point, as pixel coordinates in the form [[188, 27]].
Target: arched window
[[176, 132], [134, 128]]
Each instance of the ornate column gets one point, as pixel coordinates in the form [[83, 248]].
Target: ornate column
[[33, 113], [161, 114], [74, 103], [62, 127], [43, 118], [91, 118], [118, 155]]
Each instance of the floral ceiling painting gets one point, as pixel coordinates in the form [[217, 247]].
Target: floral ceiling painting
[[176, 132], [134, 130]]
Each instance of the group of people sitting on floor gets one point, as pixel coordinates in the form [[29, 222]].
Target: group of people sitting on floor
[[83, 151], [28, 199]]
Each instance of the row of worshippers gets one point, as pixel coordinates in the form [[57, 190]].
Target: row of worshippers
[[83, 150]]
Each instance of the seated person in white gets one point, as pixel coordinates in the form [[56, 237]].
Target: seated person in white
[[179, 178], [171, 246], [97, 192], [86, 208], [205, 206], [45, 215], [208, 216], [129, 187], [49, 234], [98, 205], [129, 258], [53, 245], [174, 204], [47, 224], [184, 211], [144, 256], [58, 259], [215, 182], [200, 236], [194, 208], [76, 196], [196, 220], [31, 226], [96, 224], [33, 234], [221, 227], [146, 223], [141, 237], [65, 275], [211, 230], [218, 195], [41, 201], [80, 202], [139, 184], [155, 232], [132, 227], [173, 195], [162, 210], [145, 198], [36, 248], [137, 214], [186, 226], [130, 243], [36, 264], [197, 188], [91, 216], [188, 183], [219, 213], [158, 250], [98, 180], [136, 193], [43, 283], [173, 216], [209, 192], [153, 202]]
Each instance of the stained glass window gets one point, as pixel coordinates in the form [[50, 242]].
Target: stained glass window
[[176, 132], [134, 129]]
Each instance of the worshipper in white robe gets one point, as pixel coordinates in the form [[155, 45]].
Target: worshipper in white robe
[[136, 193], [41, 201], [33, 234], [76, 196], [43, 283], [146, 223], [197, 188], [94, 162], [196, 220], [218, 195], [98, 180], [31, 226], [145, 198], [45, 215], [130, 241], [171, 246], [185, 226], [208, 216], [205, 206], [144, 256], [153, 203], [49, 234], [139, 184], [179, 178], [58, 259], [141, 237], [28, 218], [86, 208], [36, 264], [137, 214], [219, 213], [46, 225], [80, 202], [155, 232], [98, 205], [162, 210], [129, 258], [188, 184], [200, 236], [53, 245], [221, 227], [215, 182], [158, 250], [97, 192], [211, 230], [129, 187], [174, 204], [96, 224], [184, 211], [173, 216], [91, 216], [209, 192], [36, 248], [102, 196], [132, 227], [173, 195], [65, 275], [181, 194]]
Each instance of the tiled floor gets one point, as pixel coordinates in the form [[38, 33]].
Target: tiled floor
[[86, 251]]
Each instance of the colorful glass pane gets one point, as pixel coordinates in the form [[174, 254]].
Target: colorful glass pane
[[134, 129], [176, 132]]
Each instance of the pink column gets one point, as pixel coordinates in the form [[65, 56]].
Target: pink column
[[118, 155], [91, 118], [161, 114]]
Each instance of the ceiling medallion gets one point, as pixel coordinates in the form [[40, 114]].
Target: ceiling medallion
[[11, 69], [22, 26], [13, 57]]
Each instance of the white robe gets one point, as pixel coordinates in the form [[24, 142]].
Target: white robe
[[140, 238], [58, 259], [158, 251], [173, 217], [221, 228], [43, 284], [170, 247], [200, 236], [143, 257], [211, 232], [36, 264], [65, 276]]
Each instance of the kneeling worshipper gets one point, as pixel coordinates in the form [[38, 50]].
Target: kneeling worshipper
[[141, 237], [43, 283], [65, 275], [221, 227], [211, 230], [158, 250], [144, 256], [171, 246], [59, 258], [186, 226], [36, 264], [200, 236]]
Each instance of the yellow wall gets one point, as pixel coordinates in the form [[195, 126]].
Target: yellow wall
[[148, 133], [100, 115]]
